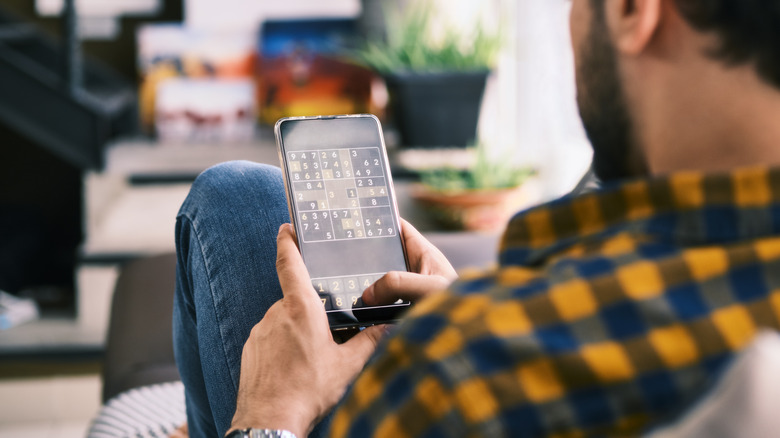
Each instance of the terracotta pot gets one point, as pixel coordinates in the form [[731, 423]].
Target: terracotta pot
[[473, 210]]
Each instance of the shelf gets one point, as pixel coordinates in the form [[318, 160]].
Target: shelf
[[52, 337], [73, 120], [146, 159]]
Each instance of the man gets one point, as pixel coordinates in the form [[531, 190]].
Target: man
[[609, 311]]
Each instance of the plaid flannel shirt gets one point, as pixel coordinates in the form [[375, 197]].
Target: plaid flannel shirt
[[608, 313]]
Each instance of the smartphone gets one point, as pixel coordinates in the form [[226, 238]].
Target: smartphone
[[343, 207]]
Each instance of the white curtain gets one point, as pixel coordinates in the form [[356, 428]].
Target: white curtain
[[530, 108]]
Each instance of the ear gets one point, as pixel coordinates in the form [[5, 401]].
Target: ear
[[633, 23]]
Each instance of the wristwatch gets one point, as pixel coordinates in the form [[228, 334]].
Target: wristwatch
[[260, 433]]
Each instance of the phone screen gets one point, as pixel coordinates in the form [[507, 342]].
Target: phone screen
[[343, 207]]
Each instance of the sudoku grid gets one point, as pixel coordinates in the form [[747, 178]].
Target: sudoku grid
[[341, 194]]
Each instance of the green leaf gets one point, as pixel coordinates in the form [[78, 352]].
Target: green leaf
[[408, 46], [483, 174]]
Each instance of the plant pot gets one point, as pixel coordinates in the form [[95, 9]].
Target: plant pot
[[473, 210], [436, 109]]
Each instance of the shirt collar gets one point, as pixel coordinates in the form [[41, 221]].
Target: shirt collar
[[682, 209]]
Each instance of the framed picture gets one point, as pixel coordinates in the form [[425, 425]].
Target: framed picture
[[305, 69], [169, 52]]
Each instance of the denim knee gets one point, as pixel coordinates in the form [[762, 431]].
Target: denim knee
[[233, 184]]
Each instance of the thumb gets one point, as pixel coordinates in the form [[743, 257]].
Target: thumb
[[293, 275], [403, 285]]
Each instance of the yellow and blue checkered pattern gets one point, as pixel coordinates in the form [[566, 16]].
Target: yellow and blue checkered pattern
[[609, 312]]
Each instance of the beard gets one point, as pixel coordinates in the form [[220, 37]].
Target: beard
[[603, 109]]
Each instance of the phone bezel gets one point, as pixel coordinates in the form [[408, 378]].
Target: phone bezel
[[339, 319]]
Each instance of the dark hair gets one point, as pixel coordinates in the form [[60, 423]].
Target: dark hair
[[749, 31]]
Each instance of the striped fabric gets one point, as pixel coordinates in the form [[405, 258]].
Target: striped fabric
[[608, 313], [148, 412]]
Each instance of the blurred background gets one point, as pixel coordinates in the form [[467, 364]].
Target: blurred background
[[110, 109]]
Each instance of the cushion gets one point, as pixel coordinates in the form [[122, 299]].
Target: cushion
[[148, 411]]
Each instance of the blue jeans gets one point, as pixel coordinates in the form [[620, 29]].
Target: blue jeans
[[225, 282]]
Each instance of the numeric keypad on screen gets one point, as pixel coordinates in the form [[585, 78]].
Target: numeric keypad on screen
[[343, 293]]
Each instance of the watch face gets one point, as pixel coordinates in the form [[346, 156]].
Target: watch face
[[239, 433], [260, 433]]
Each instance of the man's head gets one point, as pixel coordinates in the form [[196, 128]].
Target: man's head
[[628, 50]]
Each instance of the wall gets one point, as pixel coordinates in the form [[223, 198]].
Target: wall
[[548, 129]]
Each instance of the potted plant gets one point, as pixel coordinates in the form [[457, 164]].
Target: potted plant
[[481, 197], [435, 84]]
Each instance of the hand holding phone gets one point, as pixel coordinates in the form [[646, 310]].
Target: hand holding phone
[[429, 272], [342, 205], [290, 355]]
